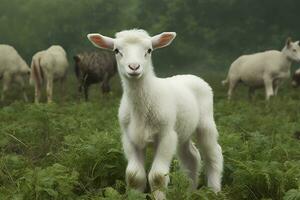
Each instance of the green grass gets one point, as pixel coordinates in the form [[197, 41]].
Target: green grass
[[72, 150]]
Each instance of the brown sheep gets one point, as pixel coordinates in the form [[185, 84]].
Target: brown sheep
[[94, 67]]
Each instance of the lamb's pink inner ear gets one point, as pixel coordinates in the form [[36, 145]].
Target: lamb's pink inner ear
[[101, 41], [163, 39]]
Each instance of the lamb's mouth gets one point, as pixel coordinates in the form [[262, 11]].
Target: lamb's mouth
[[134, 74]]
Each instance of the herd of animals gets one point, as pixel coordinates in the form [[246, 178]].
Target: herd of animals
[[164, 112], [51, 65], [265, 69]]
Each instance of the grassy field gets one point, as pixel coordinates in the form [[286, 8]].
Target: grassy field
[[71, 150]]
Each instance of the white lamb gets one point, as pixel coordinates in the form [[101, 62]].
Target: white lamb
[[48, 65], [13, 69], [164, 112], [266, 69]]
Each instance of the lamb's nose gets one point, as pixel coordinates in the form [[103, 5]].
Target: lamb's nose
[[134, 66]]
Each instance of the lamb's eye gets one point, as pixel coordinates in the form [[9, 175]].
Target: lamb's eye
[[149, 51], [294, 50], [116, 51]]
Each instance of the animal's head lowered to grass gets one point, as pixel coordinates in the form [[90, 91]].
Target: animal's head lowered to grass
[[292, 50], [133, 49]]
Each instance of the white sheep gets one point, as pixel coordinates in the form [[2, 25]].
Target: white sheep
[[164, 112], [48, 65], [13, 69], [265, 69]]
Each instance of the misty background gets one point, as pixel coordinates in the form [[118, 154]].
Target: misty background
[[210, 33]]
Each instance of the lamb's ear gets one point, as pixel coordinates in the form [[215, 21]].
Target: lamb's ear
[[288, 42], [101, 41], [163, 39]]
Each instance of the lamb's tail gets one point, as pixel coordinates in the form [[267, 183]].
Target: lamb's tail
[[36, 75], [224, 82]]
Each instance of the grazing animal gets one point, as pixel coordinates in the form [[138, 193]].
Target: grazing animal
[[12, 69], [164, 112], [296, 78], [48, 65], [91, 68], [266, 69]]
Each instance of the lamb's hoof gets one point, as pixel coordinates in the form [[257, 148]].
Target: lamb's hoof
[[136, 179], [159, 195]]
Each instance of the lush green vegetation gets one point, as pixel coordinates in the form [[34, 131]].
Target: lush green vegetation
[[72, 150]]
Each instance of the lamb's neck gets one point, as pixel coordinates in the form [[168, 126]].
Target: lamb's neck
[[140, 91], [287, 60]]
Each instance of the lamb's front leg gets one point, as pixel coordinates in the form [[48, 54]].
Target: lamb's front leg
[[269, 87], [135, 171], [158, 175]]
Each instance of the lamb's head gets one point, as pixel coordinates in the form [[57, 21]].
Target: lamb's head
[[133, 49], [24, 69], [292, 50]]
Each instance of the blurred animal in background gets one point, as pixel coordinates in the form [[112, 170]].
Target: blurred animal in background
[[296, 78], [94, 67], [48, 66], [266, 69], [13, 69], [164, 112]]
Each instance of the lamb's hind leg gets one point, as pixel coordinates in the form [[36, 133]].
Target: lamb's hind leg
[[37, 92], [158, 175], [135, 171], [6, 84], [232, 85], [211, 152], [190, 160], [49, 89], [269, 87]]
